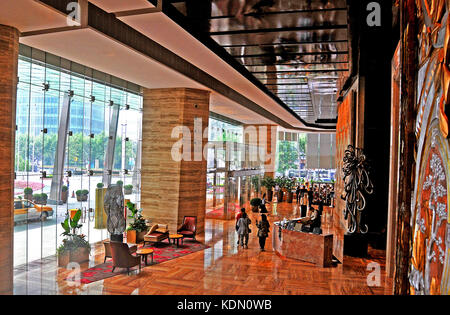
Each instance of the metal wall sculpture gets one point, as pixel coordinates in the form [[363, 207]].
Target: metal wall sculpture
[[356, 184], [430, 261]]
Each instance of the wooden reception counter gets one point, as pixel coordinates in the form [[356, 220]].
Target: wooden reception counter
[[309, 247]]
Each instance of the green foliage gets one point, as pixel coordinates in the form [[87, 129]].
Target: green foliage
[[119, 182], [281, 181], [64, 188], [138, 223], [72, 240], [40, 198], [287, 156], [255, 202], [290, 184], [28, 190], [128, 186], [268, 182], [255, 183], [82, 150], [99, 185], [82, 192], [302, 143]]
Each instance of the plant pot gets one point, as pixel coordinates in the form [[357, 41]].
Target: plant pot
[[280, 196], [289, 196], [135, 237], [82, 198], [63, 259], [255, 209], [78, 255], [269, 195], [28, 196], [64, 196], [128, 191], [131, 236]]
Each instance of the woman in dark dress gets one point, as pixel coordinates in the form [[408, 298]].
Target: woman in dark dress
[[263, 231]]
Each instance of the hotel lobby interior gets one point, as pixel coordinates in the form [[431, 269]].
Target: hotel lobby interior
[[224, 147]]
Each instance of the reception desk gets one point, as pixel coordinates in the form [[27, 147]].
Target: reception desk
[[309, 247]]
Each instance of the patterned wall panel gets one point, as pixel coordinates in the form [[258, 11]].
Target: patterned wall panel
[[430, 262]]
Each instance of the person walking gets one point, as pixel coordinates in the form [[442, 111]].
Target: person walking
[[304, 204], [243, 229], [263, 231], [238, 216], [297, 193]]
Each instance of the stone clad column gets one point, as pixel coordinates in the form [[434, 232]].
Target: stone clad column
[[172, 189], [9, 51]]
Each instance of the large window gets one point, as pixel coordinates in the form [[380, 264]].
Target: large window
[[44, 79]]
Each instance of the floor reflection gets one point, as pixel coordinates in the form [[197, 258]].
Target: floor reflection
[[222, 268]]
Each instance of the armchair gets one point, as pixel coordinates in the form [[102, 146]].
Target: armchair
[[122, 257], [108, 253], [189, 227], [157, 233]]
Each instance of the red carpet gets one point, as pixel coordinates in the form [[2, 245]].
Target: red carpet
[[162, 252]]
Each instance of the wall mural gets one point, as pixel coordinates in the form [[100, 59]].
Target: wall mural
[[430, 261]]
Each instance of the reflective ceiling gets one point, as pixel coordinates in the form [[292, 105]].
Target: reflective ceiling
[[297, 48]]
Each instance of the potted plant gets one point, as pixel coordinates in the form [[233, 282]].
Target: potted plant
[[75, 248], [269, 183], [120, 183], [255, 183], [99, 185], [281, 183], [64, 193], [40, 199], [82, 195], [28, 193], [255, 203], [290, 184], [128, 189], [137, 229]]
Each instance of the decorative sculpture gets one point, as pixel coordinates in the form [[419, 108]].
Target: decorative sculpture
[[356, 184], [114, 208]]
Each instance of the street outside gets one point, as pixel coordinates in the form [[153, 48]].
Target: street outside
[[34, 240]]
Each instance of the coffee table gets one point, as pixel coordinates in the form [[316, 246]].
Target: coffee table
[[144, 252], [176, 238]]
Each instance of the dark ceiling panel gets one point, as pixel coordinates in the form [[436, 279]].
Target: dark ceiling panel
[[297, 49]]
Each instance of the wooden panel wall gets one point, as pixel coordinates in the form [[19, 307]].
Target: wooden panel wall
[[9, 50], [345, 134], [172, 189]]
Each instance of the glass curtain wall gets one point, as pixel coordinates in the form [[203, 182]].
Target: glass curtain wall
[[44, 79]]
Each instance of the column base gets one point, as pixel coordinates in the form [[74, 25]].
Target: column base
[[355, 245]]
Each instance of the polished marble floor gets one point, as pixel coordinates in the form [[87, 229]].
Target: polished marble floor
[[223, 268]]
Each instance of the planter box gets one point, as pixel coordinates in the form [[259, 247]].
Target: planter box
[[64, 196], [82, 198], [289, 197], [270, 195], [128, 191], [134, 237], [280, 196], [78, 255]]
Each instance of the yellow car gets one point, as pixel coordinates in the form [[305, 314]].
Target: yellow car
[[27, 210]]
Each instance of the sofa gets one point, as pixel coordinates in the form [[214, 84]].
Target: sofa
[[157, 233]]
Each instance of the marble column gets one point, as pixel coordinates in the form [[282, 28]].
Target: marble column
[[9, 51], [174, 186]]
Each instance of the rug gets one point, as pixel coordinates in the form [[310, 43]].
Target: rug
[[161, 252]]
